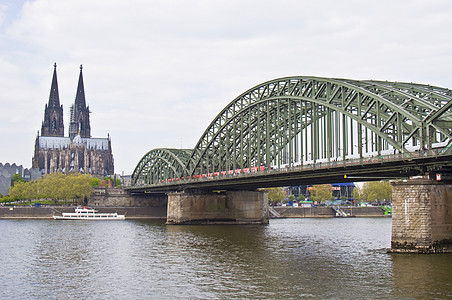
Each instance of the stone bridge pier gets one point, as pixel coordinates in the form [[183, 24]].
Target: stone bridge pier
[[231, 207], [421, 216]]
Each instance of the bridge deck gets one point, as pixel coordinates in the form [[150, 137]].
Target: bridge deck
[[353, 170]]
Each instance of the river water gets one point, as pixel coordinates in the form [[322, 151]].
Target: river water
[[335, 258]]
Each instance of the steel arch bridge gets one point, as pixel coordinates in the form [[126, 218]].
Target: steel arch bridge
[[297, 121]]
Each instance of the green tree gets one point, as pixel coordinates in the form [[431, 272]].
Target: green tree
[[321, 192], [78, 187], [275, 194], [6, 199], [357, 193], [301, 197], [29, 191], [377, 191], [17, 191], [74, 187], [16, 178], [94, 181], [291, 198], [53, 186]]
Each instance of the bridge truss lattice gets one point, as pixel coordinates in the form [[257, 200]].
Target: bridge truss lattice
[[305, 120]]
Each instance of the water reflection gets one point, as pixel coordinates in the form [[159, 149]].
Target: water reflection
[[290, 259], [422, 276]]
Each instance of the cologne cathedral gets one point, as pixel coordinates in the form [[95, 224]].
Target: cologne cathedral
[[77, 153]]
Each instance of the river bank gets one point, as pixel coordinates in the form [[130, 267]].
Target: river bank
[[20, 212], [328, 211]]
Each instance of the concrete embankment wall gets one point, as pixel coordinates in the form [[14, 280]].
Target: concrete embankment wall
[[106, 200], [327, 212], [25, 212], [104, 197]]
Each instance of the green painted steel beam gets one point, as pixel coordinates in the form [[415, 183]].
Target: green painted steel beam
[[296, 120]]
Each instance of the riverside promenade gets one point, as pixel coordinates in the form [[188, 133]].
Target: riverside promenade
[[327, 211]]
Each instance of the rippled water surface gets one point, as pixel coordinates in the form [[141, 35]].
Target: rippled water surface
[[287, 259]]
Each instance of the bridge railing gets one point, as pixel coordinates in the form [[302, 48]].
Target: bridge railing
[[339, 162]]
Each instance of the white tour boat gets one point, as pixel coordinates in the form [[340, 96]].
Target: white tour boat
[[88, 213]]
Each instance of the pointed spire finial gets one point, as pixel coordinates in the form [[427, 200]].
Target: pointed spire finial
[[81, 67], [53, 112]]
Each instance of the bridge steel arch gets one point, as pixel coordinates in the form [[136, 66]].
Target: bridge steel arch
[[299, 120], [161, 164]]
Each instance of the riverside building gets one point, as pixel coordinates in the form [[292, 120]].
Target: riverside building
[[7, 171], [78, 152]]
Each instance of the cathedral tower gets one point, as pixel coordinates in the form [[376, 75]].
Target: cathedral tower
[[53, 112], [80, 112], [77, 153]]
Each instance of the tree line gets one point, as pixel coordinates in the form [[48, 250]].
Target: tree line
[[373, 191], [75, 187], [370, 191], [57, 186]]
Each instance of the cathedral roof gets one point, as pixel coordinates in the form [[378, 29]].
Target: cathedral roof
[[53, 142]]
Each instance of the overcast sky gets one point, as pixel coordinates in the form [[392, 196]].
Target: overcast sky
[[156, 73]]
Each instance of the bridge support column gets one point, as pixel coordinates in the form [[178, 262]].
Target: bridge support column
[[233, 207], [421, 216]]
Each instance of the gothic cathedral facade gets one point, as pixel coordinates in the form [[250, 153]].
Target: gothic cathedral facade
[[77, 153]]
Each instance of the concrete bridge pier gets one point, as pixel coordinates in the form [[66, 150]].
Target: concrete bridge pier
[[232, 207], [421, 216]]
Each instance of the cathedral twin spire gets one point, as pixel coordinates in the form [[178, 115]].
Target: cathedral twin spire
[[54, 98], [53, 114], [55, 152], [80, 112]]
